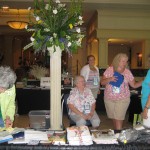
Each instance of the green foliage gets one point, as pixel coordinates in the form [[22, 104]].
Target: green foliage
[[56, 25]]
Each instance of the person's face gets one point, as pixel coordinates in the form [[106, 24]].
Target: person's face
[[2, 89], [123, 62], [80, 83], [91, 61]]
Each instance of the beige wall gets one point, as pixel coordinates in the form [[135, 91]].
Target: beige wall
[[129, 24]]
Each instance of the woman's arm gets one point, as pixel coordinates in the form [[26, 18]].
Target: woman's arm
[[135, 84], [105, 80], [147, 106], [76, 111]]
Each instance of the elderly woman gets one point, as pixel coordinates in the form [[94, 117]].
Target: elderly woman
[[7, 96], [91, 75], [81, 104], [117, 79]]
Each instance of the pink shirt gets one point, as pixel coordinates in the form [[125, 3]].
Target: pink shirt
[[124, 88], [78, 99]]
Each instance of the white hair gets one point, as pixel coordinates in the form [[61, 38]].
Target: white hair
[[7, 77], [77, 78]]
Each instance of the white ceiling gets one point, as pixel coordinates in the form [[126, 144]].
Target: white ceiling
[[89, 7]]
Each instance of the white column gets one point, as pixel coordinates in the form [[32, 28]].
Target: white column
[[55, 88], [103, 53]]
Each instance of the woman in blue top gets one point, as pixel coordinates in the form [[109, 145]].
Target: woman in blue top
[[146, 93]]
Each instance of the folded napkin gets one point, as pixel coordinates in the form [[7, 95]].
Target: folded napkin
[[119, 81]]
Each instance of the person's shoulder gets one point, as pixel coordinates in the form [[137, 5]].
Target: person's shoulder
[[11, 90], [87, 89], [148, 71], [73, 90], [109, 69], [85, 66], [127, 71]]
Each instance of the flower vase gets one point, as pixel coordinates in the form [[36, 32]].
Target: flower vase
[[55, 88]]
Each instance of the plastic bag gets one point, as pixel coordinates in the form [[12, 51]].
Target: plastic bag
[[127, 136]]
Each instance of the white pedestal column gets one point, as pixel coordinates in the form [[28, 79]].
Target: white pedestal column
[[55, 88]]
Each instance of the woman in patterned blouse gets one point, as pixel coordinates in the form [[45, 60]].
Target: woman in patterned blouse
[[117, 93], [81, 104]]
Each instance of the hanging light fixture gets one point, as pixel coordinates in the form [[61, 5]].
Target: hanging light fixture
[[17, 24]]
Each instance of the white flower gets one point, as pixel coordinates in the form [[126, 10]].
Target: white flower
[[46, 6], [68, 37], [69, 44], [26, 27], [78, 30], [51, 39], [46, 29], [37, 18], [80, 22], [54, 35], [32, 39], [29, 8], [57, 1], [55, 11], [80, 17]]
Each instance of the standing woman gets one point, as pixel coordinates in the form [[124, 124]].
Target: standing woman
[[7, 96], [146, 96], [117, 93], [91, 74]]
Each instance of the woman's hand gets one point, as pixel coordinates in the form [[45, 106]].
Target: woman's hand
[[8, 122], [144, 113], [90, 115], [85, 117], [113, 79]]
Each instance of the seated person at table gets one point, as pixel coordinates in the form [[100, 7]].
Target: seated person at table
[[81, 103], [7, 96]]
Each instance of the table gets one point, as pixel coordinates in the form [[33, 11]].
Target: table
[[33, 99], [132, 146], [135, 105]]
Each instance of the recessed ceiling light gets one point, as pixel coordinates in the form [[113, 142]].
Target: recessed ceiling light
[[5, 8]]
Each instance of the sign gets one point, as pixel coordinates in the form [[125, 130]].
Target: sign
[[45, 82]]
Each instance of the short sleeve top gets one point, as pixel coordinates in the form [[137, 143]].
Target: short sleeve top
[[124, 91]]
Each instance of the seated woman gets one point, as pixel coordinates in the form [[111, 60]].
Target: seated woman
[[81, 103], [7, 96]]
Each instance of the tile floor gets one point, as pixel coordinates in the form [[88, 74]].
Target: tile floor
[[22, 121]]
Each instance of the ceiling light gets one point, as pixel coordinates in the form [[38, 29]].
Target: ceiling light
[[17, 24], [5, 8]]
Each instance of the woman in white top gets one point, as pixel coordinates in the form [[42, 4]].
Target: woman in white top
[[91, 75]]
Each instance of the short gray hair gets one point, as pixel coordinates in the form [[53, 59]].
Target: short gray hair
[[7, 77], [77, 78]]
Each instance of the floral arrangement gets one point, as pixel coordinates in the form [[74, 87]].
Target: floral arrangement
[[56, 26], [38, 71]]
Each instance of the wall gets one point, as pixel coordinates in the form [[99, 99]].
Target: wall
[[123, 23], [113, 50]]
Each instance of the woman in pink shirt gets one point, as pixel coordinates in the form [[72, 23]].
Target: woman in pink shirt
[[117, 79]]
